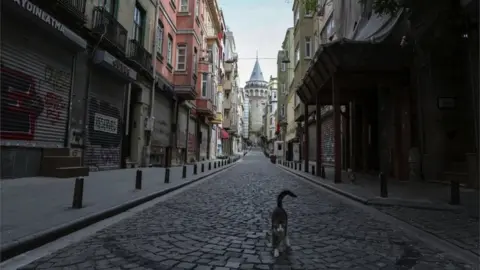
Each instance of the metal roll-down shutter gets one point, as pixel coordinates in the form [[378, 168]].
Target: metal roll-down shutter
[[105, 109]]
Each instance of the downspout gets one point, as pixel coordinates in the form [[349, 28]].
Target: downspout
[[154, 74]]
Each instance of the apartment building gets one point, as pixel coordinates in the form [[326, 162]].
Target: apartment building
[[271, 110]]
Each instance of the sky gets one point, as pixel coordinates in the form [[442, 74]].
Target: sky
[[257, 25]]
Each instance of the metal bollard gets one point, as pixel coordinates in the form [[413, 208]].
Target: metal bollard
[[184, 171], [300, 166], [202, 168], [295, 166], [313, 170], [209, 166], [322, 172], [77, 202], [454, 192], [167, 175], [214, 165], [195, 169], [383, 185], [138, 180]]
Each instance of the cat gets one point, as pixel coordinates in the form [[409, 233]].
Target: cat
[[278, 236]]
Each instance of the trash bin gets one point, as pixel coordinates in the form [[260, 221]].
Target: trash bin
[[273, 159]]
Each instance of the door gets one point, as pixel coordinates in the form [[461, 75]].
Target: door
[[204, 142], [162, 111], [105, 120]]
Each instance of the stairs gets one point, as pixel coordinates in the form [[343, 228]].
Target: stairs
[[57, 162]]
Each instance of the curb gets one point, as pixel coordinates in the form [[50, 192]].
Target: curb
[[45, 237], [374, 201]]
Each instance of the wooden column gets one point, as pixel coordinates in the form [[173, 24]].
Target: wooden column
[[305, 135], [318, 117], [337, 132]]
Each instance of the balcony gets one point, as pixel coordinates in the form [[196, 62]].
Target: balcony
[[205, 107], [227, 86], [218, 119], [299, 112], [138, 54], [105, 24], [228, 67], [227, 104], [70, 12]]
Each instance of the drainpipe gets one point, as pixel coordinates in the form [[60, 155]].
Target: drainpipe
[[154, 74]]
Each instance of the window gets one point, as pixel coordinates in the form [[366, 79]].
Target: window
[[204, 84], [160, 31], [297, 55], [284, 67], [138, 24], [181, 57], [169, 50], [283, 88], [197, 7], [296, 16], [195, 60], [308, 47], [183, 5], [108, 5]]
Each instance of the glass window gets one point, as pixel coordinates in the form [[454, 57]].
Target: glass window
[[308, 47], [138, 23], [181, 57], [183, 5], [169, 50], [160, 32], [204, 84]]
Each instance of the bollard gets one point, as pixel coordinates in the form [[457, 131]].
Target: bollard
[[184, 171], [214, 165], [313, 170], [209, 166], [383, 185], [322, 172], [77, 202], [195, 169], [167, 175], [295, 166], [138, 180], [300, 166], [454, 192], [202, 169]]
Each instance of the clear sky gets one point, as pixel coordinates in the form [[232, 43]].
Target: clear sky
[[257, 25]]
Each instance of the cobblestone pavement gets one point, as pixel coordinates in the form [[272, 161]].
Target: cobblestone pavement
[[220, 225], [457, 228]]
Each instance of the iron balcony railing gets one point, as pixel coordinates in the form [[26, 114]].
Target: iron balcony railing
[[76, 7], [139, 54], [105, 24]]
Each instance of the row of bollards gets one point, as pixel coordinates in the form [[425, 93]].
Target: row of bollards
[[77, 201]]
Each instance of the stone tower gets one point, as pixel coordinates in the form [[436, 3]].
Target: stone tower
[[256, 89]]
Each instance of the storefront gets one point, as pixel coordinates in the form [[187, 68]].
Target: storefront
[[109, 80], [37, 67], [204, 141], [161, 140], [192, 140]]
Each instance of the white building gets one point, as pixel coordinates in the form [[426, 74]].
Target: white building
[[256, 88]]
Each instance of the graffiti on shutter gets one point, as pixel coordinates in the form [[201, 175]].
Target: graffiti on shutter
[[35, 90], [328, 140], [192, 139], [182, 128], [312, 142]]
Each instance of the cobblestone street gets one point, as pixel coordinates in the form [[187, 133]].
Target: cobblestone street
[[221, 223]]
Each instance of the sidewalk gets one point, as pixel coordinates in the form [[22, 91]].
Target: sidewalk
[[32, 206], [424, 205]]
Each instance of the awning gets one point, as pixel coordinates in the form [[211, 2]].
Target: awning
[[224, 134], [354, 65]]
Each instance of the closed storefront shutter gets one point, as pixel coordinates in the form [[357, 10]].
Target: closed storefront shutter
[[312, 142], [105, 118], [182, 127], [163, 122], [36, 77], [192, 139], [328, 140], [204, 141]]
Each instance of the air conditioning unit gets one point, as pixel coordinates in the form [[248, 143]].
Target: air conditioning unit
[[149, 123]]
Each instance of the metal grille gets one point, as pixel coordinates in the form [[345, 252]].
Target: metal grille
[[204, 141], [182, 127], [36, 76], [192, 139], [328, 140], [105, 118], [163, 121]]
